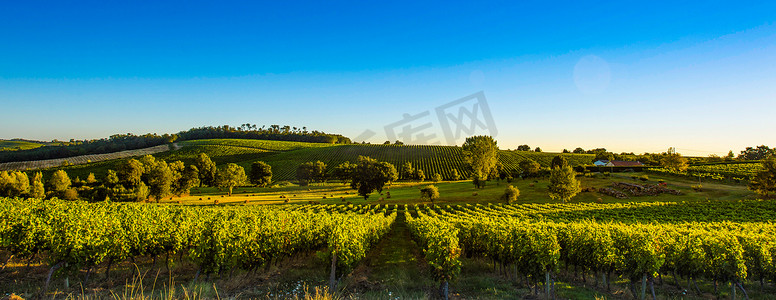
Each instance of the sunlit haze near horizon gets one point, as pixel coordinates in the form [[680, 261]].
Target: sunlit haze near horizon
[[629, 77]]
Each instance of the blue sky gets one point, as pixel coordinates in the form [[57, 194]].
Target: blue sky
[[627, 76]]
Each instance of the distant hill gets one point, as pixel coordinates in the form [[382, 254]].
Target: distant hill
[[123, 142], [284, 157], [15, 145]]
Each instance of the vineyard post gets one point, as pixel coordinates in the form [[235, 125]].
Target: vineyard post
[[333, 274], [67, 278], [445, 290], [733, 290], [643, 287], [547, 283], [603, 283]]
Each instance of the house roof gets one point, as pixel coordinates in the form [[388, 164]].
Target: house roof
[[622, 163]]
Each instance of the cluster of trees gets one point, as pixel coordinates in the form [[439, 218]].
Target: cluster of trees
[[410, 173], [482, 158], [18, 184], [135, 180], [658, 159], [121, 142], [59, 185], [311, 172], [756, 153], [528, 148], [273, 132], [366, 175], [117, 142]]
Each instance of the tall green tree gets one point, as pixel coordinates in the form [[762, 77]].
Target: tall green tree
[[478, 179], [523, 148], [388, 172], [757, 153], [764, 182], [319, 171], [429, 192], [160, 179], [14, 184], [407, 171], [183, 177], [529, 167], [305, 173], [189, 179], [370, 175], [130, 173], [603, 155], [675, 162], [558, 161], [481, 154], [454, 176], [231, 176], [343, 171], [37, 189], [261, 174], [59, 182], [207, 170], [563, 183], [111, 178]]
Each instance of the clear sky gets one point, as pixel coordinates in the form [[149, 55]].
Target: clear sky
[[627, 76]]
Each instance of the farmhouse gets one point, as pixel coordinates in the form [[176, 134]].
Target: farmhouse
[[617, 163]]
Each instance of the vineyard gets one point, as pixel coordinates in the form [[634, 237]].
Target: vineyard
[[723, 172], [83, 159], [77, 235], [646, 248], [640, 242]]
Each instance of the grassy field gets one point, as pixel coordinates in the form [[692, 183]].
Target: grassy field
[[18, 145], [531, 191]]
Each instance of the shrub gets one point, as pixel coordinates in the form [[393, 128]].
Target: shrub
[[437, 177], [70, 194], [697, 188], [644, 177], [429, 192], [511, 193]]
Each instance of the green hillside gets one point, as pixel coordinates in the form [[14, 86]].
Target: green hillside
[[18, 145], [284, 157]]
